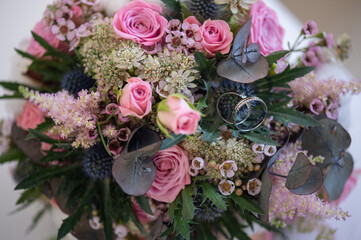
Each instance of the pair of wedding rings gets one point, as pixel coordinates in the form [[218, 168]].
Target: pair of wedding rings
[[248, 114]]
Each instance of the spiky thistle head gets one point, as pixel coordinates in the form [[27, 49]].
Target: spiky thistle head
[[97, 163], [203, 8], [76, 80]]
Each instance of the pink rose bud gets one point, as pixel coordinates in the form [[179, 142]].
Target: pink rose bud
[[172, 174], [136, 98], [265, 30], [31, 116], [141, 22], [217, 37], [178, 116]]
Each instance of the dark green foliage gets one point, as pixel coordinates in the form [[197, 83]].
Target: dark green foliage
[[275, 56], [144, 204], [51, 69], [108, 210], [43, 175], [12, 155], [210, 193], [171, 141]]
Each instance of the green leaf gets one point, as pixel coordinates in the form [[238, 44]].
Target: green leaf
[[34, 133], [201, 59], [188, 207], [166, 232], [171, 141], [25, 54], [38, 216], [43, 175], [281, 80], [144, 204], [13, 86], [210, 193], [51, 51], [108, 210], [275, 56], [12, 155], [246, 204], [286, 115], [173, 4], [182, 225], [172, 208], [259, 138], [42, 127], [29, 195], [15, 95], [70, 222]]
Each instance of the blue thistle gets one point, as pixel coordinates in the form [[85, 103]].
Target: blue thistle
[[97, 163], [204, 8], [76, 80]]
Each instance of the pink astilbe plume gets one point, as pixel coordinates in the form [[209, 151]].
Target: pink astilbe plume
[[308, 88], [73, 117], [285, 206]]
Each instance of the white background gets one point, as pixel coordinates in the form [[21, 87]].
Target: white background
[[18, 17]]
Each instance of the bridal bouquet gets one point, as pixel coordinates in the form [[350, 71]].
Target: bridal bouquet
[[178, 120]]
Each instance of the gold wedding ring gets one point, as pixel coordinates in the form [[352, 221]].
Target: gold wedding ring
[[249, 102]]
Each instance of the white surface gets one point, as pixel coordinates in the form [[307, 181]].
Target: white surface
[[18, 18]]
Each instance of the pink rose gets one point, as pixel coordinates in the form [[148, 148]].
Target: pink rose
[[141, 22], [217, 36], [180, 118], [31, 116], [45, 32], [172, 174], [136, 98], [265, 30]]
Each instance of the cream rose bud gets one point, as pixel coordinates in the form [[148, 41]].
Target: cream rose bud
[[136, 98], [178, 116]]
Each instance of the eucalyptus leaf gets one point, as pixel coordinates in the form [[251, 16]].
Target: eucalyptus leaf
[[156, 229], [134, 169], [337, 177], [30, 148], [244, 64], [264, 195], [330, 140], [304, 178]]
